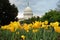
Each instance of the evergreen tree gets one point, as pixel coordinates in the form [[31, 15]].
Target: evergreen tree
[[8, 12]]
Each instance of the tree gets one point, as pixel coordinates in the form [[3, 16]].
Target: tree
[[8, 12], [51, 16], [30, 20]]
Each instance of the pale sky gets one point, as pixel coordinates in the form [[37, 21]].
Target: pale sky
[[39, 7]]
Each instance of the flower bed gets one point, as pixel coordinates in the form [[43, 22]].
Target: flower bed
[[34, 31]]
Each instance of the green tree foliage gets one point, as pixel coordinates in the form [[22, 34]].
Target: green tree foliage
[[51, 16], [8, 12]]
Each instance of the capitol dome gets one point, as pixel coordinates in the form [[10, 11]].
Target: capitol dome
[[28, 12], [28, 9]]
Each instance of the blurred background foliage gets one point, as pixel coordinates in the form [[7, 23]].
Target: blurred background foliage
[[50, 16]]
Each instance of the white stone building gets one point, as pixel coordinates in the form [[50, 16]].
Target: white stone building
[[27, 13]]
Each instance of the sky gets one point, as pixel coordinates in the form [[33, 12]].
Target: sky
[[39, 7]]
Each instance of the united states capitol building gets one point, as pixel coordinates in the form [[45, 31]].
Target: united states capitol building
[[27, 13]]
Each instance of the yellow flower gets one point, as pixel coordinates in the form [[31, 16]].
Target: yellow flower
[[13, 26], [42, 23], [35, 30], [36, 25], [12, 29], [43, 26], [23, 37], [26, 27], [56, 24], [17, 32], [51, 24], [57, 29], [27, 30], [30, 25], [46, 27], [46, 22], [19, 25], [4, 27]]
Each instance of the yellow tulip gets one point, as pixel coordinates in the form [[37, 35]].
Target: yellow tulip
[[51, 24], [4, 27], [43, 26], [26, 27], [56, 24], [57, 29], [23, 37], [46, 22], [12, 29], [17, 32], [35, 30], [36, 25]]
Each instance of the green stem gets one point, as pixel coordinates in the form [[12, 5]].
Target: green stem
[[12, 38]]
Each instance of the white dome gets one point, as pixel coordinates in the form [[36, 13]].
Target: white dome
[[28, 13], [28, 9]]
